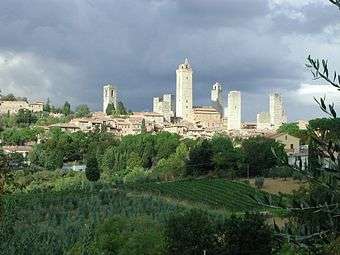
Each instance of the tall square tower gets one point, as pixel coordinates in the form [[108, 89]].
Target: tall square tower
[[184, 90], [109, 96]]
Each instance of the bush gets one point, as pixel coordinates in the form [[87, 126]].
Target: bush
[[259, 181], [124, 236], [138, 174], [190, 233], [280, 172]]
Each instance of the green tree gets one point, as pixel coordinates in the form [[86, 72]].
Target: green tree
[[258, 152], [190, 233], [143, 127], [121, 110], [289, 128], [9, 97], [134, 161], [259, 181], [82, 111], [92, 170], [66, 108], [110, 109], [248, 234], [227, 160], [47, 106], [118, 235], [25, 117], [200, 160]]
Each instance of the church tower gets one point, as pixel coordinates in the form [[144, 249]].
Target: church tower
[[109, 96], [184, 90]]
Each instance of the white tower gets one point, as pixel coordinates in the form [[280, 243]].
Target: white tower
[[217, 98], [184, 90], [276, 110], [234, 110], [109, 96]]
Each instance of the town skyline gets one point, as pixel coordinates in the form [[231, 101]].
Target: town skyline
[[70, 54]]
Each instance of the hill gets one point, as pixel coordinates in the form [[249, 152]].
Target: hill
[[232, 196]]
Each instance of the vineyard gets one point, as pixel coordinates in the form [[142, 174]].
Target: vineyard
[[232, 196], [53, 222]]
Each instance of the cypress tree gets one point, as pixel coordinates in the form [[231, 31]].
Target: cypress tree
[[92, 170]]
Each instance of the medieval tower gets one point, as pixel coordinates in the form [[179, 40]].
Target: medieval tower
[[184, 90], [217, 98], [109, 96]]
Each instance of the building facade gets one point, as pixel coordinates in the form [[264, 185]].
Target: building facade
[[164, 105], [263, 120], [109, 96], [13, 107], [206, 117], [234, 110], [184, 90]]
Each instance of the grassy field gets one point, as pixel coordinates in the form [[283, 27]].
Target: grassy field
[[232, 196], [280, 185]]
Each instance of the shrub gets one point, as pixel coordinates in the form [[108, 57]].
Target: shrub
[[259, 181]]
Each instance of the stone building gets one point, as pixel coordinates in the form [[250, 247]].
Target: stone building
[[109, 96], [234, 110], [291, 143], [206, 117], [164, 105], [263, 120], [184, 90], [13, 107], [217, 98], [276, 111]]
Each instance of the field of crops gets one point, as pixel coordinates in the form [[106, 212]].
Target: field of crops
[[53, 222], [232, 196]]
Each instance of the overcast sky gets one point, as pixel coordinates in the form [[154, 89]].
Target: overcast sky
[[67, 49]]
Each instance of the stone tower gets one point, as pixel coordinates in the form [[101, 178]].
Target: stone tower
[[184, 90], [234, 110], [109, 96], [164, 105], [217, 98], [276, 110]]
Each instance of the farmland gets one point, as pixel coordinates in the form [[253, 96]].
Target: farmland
[[53, 222], [232, 196]]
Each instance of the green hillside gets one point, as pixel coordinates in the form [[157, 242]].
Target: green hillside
[[232, 196]]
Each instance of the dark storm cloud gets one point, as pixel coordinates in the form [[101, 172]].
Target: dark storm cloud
[[81, 44]]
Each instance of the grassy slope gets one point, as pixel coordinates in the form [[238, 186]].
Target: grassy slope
[[231, 196]]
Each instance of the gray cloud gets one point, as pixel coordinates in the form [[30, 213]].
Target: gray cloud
[[137, 45]]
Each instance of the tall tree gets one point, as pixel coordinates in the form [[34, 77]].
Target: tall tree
[[200, 159], [92, 169], [110, 109], [66, 108], [47, 106], [259, 156], [121, 110], [82, 111]]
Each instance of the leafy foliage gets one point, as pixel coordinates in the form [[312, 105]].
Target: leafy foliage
[[92, 170], [82, 111], [259, 155]]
